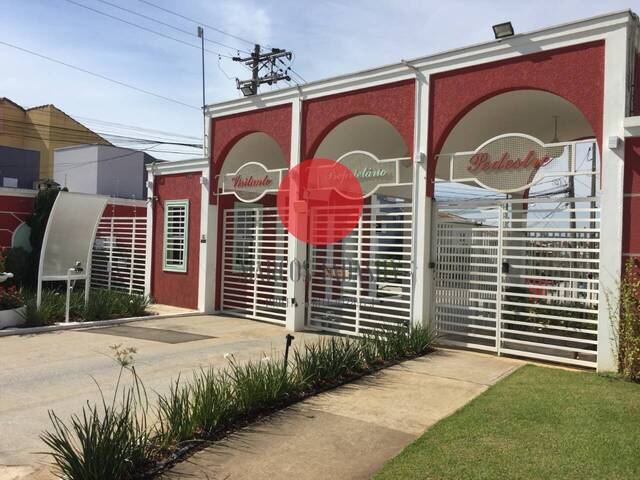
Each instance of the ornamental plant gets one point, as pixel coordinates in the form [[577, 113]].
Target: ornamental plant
[[629, 323], [10, 298], [113, 440]]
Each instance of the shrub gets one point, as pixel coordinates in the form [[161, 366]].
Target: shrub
[[212, 400], [629, 324], [99, 444], [258, 385], [42, 206], [110, 441], [10, 297], [102, 305], [16, 261], [115, 443], [176, 422], [106, 304], [52, 307]]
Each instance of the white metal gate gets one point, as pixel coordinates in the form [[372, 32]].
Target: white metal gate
[[119, 254], [254, 271], [363, 282], [519, 277]]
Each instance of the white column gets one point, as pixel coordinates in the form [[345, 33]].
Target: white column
[[297, 249], [207, 265], [421, 234], [148, 262], [612, 194]]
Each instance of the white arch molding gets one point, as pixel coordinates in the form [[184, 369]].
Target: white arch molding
[[530, 112], [254, 148], [377, 138]]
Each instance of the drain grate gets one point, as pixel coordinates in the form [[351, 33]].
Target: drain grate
[[151, 334]]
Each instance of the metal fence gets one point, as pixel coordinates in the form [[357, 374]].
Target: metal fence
[[519, 277], [119, 254]]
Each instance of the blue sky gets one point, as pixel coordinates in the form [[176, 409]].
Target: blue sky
[[327, 37]]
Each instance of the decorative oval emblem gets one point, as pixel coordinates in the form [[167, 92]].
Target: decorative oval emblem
[[508, 163], [251, 182]]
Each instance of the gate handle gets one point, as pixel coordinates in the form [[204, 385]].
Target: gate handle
[[505, 267]]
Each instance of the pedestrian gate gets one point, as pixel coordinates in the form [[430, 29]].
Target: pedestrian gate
[[518, 277], [363, 282], [254, 273]]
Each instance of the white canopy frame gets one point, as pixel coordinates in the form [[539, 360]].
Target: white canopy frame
[[68, 239]]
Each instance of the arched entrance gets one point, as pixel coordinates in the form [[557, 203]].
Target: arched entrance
[[253, 244], [364, 281], [516, 230]]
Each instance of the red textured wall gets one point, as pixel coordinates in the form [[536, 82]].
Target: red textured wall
[[124, 211], [394, 102], [631, 215], [176, 288], [21, 207], [226, 131], [575, 73]]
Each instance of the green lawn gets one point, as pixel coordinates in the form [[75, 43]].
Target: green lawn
[[538, 423]]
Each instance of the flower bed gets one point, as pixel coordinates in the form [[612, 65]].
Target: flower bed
[[12, 312], [116, 440], [103, 305]]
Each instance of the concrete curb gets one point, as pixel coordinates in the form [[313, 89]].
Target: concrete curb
[[97, 323]]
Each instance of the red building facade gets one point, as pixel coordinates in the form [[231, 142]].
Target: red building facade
[[567, 90]]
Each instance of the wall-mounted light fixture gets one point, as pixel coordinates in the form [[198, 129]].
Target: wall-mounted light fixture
[[502, 30], [247, 87]]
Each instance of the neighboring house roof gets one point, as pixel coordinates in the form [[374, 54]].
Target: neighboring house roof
[[8, 100], [53, 107]]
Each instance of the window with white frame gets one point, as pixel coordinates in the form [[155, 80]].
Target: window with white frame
[[176, 235]]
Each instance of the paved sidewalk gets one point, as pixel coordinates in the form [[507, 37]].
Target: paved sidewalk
[[350, 432], [56, 371]]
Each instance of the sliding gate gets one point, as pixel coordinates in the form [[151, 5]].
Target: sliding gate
[[519, 277], [363, 282], [254, 272]]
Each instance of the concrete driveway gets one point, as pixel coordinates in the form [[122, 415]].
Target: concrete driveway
[[57, 371]]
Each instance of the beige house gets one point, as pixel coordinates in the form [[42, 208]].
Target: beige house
[[42, 129]]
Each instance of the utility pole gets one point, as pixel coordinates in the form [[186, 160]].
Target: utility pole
[[255, 68], [258, 61], [204, 102]]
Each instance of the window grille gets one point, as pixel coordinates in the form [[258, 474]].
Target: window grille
[[176, 235]]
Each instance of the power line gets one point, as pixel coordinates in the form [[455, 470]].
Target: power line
[[91, 133], [291, 68], [258, 61], [66, 141], [192, 20], [160, 22], [121, 126], [155, 32], [128, 154], [98, 75], [184, 17]]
